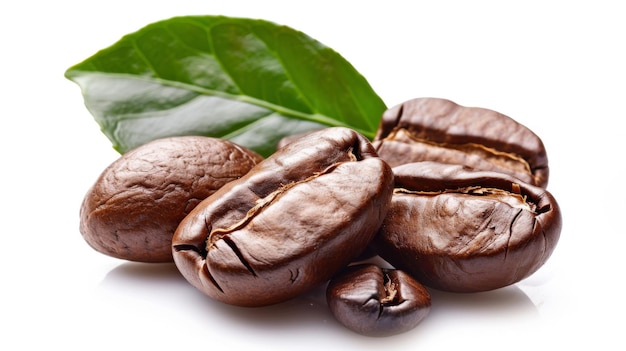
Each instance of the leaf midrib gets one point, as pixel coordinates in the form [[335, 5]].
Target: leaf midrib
[[312, 117]]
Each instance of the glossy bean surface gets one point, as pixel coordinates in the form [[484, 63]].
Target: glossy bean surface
[[136, 204], [289, 224], [375, 301], [431, 129], [462, 230]]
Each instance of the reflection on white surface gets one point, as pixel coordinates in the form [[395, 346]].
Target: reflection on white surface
[[159, 295]]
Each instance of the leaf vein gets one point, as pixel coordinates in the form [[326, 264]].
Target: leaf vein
[[144, 58]]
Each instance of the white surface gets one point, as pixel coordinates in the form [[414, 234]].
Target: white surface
[[557, 67]]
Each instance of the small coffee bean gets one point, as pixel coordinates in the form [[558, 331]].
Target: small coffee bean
[[429, 129], [462, 230], [289, 224], [135, 205], [374, 301]]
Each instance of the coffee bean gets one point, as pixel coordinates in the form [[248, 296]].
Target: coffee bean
[[135, 205], [462, 230], [289, 224], [430, 129], [374, 301]]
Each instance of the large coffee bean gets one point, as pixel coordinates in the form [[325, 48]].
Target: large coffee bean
[[429, 129], [375, 301], [462, 230], [136, 204], [291, 223]]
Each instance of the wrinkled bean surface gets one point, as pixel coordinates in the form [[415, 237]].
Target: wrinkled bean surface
[[288, 225], [375, 301], [462, 230], [430, 129], [136, 204]]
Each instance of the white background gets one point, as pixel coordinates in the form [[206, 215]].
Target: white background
[[555, 66]]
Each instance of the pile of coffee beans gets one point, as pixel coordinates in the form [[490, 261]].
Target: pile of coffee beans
[[453, 198]]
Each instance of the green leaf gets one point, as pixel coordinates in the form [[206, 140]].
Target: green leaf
[[247, 80]]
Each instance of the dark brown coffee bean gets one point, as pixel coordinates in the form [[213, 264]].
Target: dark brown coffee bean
[[374, 301], [463, 230], [134, 207], [429, 129], [289, 224]]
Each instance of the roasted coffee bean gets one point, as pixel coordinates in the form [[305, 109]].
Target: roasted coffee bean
[[374, 301], [463, 230], [134, 207], [429, 129], [289, 224]]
